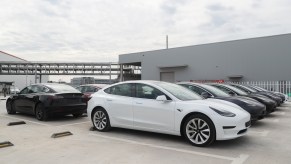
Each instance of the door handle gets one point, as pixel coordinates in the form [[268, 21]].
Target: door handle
[[108, 99], [138, 102]]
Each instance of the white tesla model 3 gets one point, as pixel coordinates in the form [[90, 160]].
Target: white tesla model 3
[[166, 108]]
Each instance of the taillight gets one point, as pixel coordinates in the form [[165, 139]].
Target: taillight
[[86, 97]]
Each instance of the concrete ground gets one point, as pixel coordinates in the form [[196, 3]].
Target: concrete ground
[[268, 141]]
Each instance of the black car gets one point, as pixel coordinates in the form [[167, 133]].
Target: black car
[[256, 109], [270, 104], [45, 100], [253, 91], [268, 93]]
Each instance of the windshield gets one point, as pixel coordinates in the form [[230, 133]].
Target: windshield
[[178, 91], [215, 90], [246, 88], [239, 91], [259, 88], [63, 88]]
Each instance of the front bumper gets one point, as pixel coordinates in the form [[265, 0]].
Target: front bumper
[[235, 128]]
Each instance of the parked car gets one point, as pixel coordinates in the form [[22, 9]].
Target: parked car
[[256, 109], [270, 104], [264, 91], [253, 91], [166, 108], [89, 89], [45, 100]]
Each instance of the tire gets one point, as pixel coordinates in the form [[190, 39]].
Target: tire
[[10, 108], [76, 115], [100, 120], [197, 134], [40, 112]]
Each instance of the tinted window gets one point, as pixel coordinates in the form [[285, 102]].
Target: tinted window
[[121, 89], [24, 91], [215, 91], [194, 88], [223, 88], [61, 88], [147, 92], [178, 91]]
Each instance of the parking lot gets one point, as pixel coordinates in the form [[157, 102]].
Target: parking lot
[[267, 142]]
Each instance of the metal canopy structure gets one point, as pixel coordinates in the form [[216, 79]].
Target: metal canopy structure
[[63, 68]]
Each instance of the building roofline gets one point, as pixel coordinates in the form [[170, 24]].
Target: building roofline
[[13, 56], [219, 42]]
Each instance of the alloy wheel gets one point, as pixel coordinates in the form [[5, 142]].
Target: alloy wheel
[[198, 131], [100, 120]]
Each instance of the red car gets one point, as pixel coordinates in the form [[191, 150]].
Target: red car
[[89, 89]]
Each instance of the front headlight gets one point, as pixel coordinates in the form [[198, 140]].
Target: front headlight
[[223, 112]]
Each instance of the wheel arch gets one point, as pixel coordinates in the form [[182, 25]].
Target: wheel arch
[[190, 114]]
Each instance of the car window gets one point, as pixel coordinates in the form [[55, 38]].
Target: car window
[[62, 88], [194, 88], [24, 91], [121, 89], [223, 88], [147, 92], [90, 89], [178, 91], [35, 89]]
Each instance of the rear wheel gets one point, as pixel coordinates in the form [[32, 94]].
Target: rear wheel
[[199, 130], [10, 108], [100, 120], [41, 113]]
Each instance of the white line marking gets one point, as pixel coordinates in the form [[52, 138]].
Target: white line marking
[[261, 133], [275, 120], [238, 160], [24, 120], [241, 159], [280, 113], [73, 124]]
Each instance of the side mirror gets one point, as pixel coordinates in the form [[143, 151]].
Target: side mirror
[[161, 98], [205, 95], [231, 93]]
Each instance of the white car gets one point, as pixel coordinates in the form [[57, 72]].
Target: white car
[[166, 108]]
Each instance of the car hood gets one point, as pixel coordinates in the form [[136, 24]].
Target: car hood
[[215, 103], [241, 100]]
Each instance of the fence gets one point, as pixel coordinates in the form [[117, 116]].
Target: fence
[[277, 86]]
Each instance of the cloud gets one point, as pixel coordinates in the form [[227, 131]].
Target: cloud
[[95, 30]]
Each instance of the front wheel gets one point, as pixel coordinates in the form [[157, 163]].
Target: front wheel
[[199, 130], [100, 120], [10, 107], [41, 113]]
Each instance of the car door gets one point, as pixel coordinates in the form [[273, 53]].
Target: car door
[[150, 114], [22, 102], [29, 99], [119, 104]]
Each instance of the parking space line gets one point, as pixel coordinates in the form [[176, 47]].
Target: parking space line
[[280, 113], [263, 133], [73, 124], [25, 120], [239, 160], [275, 120]]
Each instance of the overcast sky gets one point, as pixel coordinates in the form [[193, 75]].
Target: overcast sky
[[100, 30]]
